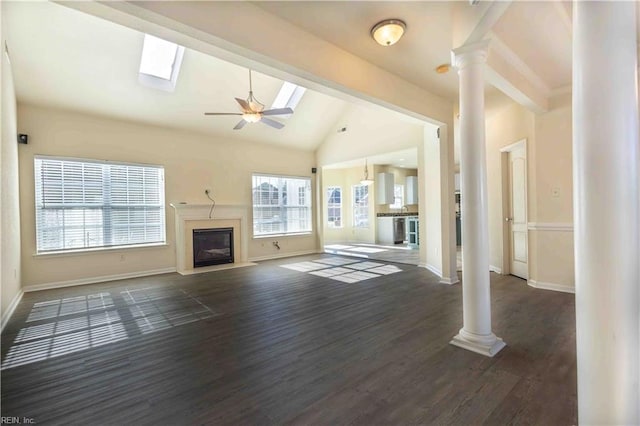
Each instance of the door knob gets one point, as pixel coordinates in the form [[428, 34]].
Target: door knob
[[508, 219]]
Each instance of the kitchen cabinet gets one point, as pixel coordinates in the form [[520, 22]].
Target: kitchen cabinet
[[384, 230], [384, 188], [413, 231], [391, 229], [412, 190]]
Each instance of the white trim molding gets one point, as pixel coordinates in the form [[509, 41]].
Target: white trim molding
[[282, 255], [495, 269], [499, 47], [433, 269], [551, 286], [450, 281], [550, 226], [6, 315], [95, 280], [514, 146]]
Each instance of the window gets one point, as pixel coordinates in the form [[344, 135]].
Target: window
[[87, 204], [360, 206], [334, 207], [281, 205], [398, 196], [160, 63], [288, 97]]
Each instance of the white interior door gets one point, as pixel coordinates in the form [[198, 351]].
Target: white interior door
[[518, 212]]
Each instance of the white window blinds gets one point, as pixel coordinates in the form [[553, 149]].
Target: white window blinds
[[85, 204]]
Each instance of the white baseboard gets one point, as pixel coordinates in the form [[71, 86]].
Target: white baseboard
[[94, 280], [449, 281], [281, 255], [551, 286], [550, 226], [495, 269], [6, 315], [433, 269]]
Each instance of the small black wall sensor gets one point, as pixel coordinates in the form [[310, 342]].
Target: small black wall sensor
[[22, 138], [313, 170]]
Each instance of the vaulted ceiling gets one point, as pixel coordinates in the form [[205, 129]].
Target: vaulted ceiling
[[68, 59], [73, 60]]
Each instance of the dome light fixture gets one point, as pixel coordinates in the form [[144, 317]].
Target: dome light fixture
[[388, 32]]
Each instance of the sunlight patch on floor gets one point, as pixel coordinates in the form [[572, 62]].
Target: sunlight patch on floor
[[344, 270], [64, 326]]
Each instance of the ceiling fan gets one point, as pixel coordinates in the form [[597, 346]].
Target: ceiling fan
[[253, 111]]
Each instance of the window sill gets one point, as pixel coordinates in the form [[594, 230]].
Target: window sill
[[297, 234], [66, 253]]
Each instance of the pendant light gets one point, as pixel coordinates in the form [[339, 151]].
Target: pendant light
[[366, 181]]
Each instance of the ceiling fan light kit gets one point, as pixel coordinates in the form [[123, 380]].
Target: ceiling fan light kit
[[388, 32], [253, 111]]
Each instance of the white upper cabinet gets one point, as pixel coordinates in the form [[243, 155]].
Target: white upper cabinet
[[384, 188], [412, 190]]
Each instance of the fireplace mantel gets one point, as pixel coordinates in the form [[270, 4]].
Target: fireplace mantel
[[193, 216]]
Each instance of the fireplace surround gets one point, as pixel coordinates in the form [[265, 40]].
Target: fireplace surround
[[196, 216]]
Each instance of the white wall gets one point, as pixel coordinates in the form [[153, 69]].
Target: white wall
[[192, 163], [10, 267], [346, 179], [429, 198], [549, 161], [503, 128], [554, 196]]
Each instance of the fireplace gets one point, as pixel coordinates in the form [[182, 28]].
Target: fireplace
[[212, 246]]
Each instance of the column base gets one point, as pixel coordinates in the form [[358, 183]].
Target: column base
[[484, 345]]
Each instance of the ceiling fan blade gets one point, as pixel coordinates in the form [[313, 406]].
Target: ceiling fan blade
[[272, 123], [243, 104], [222, 113], [278, 111], [240, 125]]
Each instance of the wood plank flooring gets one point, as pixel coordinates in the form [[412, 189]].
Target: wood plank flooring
[[271, 345]]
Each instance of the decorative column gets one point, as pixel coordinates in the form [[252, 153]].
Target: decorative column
[[476, 334], [606, 211]]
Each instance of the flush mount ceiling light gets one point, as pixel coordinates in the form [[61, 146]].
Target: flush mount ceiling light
[[388, 32], [366, 181]]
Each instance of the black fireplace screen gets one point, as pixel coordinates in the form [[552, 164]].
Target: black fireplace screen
[[212, 246]]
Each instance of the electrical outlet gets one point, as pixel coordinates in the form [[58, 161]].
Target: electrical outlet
[[555, 192], [122, 258]]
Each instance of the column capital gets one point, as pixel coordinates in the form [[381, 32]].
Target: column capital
[[470, 54]]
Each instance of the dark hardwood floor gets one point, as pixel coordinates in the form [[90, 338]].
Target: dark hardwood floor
[[272, 345]]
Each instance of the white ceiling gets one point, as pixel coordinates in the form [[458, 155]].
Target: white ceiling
[[425, 45], [546, 46], [71, 60], [68, 59], [407, 158], [536, 31]]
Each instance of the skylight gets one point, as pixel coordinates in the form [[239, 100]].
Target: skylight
[[160, 63], [288, 97]]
